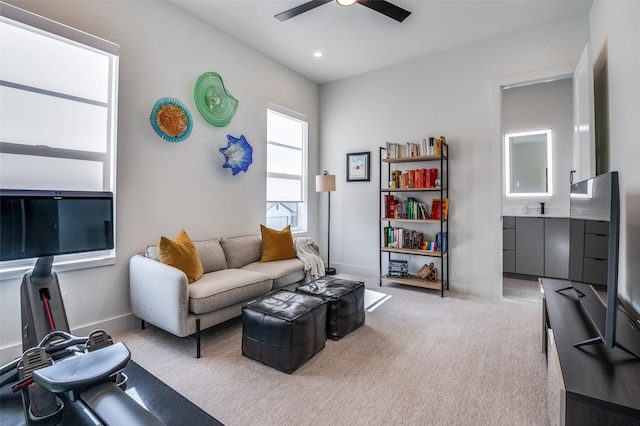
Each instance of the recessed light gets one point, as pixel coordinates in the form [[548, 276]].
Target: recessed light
[[317, 54]]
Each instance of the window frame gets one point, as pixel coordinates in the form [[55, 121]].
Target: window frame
[[303, 204]]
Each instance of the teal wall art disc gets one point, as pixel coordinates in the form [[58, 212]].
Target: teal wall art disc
[[171, 120]]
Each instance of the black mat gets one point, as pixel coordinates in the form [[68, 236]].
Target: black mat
[[162, 401]]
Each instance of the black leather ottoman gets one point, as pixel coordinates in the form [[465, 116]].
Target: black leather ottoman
[[345, 311], [284, 329]]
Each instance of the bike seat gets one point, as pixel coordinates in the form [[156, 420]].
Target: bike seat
[[78, 372]]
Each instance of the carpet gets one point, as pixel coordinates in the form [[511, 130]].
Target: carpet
[[158, 398], [421, 359]]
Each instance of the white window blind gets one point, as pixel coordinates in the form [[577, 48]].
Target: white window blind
[[287, 136], [58, 108]]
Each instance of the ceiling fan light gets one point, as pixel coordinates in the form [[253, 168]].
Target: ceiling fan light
[[345, 2]]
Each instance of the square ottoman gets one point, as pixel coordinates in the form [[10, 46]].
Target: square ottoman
[[345, 311], [284, 329]]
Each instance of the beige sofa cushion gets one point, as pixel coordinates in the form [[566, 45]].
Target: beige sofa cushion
[[240, 251], [283, 272], [217, 290], [211, 255]]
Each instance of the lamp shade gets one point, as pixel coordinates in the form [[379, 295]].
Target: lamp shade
[[325, 183]]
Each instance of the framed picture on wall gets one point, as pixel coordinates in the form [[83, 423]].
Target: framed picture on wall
[[358, 167]]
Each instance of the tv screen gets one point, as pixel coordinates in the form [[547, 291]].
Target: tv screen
[[593, 251], [49, 223]]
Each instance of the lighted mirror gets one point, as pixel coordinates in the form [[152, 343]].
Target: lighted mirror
[[528, 165]]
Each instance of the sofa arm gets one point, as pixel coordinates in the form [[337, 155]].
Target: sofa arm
[[159, 294]]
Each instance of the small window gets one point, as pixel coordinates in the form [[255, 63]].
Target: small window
[[58, 112], [286, 169]]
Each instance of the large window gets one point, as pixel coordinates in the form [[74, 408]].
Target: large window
[[286, 169], [58, 110]]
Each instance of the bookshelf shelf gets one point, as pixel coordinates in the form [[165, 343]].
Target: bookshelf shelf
[[412, 251], [415, 281], [398, 219], [435, 189], [409, 203], [413, 159]]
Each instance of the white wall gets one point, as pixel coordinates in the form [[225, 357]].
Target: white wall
[[614, 28], [163, 187], [446, 94]]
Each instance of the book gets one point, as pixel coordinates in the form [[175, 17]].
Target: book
[[441, 241], [436, 205], [433, 178], [445, 208], [424, 211]]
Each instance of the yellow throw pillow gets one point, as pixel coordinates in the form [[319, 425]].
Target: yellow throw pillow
[[276, 245], [181, 253]]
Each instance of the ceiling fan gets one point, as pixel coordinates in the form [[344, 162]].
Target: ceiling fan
[[381, 6]]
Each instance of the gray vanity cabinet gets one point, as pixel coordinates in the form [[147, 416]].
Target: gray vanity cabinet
[[536, 246], [589, 246], [556, 248], [530, 246], [509, 244]]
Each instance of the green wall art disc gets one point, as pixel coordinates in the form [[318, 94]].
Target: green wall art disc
[[215, 103]]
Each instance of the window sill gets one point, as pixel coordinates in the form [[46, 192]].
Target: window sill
[[63, 265]]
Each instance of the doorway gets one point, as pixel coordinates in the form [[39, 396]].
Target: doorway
[[501, 206]]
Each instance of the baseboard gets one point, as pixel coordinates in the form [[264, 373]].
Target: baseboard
[[355, 270], [111, 326]]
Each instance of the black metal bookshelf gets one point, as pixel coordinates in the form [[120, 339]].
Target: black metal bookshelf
[[441, 192]]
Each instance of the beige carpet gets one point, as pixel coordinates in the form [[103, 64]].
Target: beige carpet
[[418, 360]]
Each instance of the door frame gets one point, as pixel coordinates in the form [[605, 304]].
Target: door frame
[[497, 156]]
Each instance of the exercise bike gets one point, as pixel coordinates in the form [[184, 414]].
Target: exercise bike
[[62, 367], [85, 369]]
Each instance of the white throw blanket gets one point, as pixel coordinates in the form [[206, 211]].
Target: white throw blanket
[[313, 264]]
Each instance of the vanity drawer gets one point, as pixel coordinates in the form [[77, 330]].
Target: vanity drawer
[[508, 222], [596, 246], [596, 227], [595, 271]]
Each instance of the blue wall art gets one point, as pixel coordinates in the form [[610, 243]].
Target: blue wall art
[[238, 154]]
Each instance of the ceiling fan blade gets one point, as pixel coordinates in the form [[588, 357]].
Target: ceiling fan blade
[[386, 8], [287, 14]]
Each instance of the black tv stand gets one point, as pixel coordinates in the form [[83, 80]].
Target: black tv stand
[[590, 384]]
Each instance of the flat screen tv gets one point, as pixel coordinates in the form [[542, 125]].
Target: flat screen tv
[[593, 253], [36, 224]]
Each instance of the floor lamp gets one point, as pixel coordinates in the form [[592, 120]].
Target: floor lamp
[[327, 183]]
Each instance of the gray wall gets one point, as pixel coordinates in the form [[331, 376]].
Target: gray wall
[[615, 31], [164, 187]]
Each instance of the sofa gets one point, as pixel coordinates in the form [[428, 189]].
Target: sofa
[[232, 276]]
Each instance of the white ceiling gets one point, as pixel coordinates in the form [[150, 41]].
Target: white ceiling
[[356, 39]]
